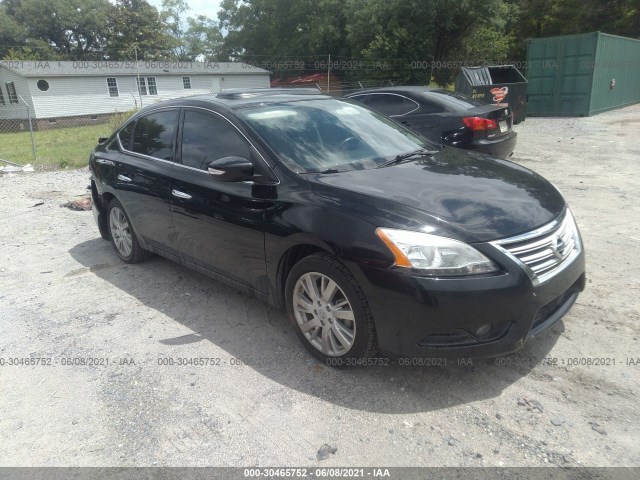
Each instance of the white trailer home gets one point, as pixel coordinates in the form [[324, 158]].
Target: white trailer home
[[57, 93]]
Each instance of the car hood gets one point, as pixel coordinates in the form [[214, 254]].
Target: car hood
[[458, 193]]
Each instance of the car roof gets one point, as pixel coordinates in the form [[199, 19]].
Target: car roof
[[440, 96], [402, 89], [233, 99]]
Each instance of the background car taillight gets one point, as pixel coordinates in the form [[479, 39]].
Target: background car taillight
[[479, 123]]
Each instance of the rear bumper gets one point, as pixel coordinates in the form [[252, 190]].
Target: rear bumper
[[99, 212], [501, 147], [466, 317]]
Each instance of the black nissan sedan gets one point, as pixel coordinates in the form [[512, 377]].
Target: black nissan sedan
[[371, 237], [446, 117]]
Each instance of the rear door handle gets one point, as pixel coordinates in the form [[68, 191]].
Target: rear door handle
[[105, 162], [179, 194], [123, 178]]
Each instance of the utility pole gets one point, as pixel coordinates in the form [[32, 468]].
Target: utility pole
[[329, 74], [135, 49], [33, 141]]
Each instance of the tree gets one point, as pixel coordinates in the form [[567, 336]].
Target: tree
[[418, 32], [281, 29], [202, 39], [73, 29], [197, 38], [136, 25], [173, 14]]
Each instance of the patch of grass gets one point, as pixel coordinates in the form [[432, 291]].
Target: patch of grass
[[69, 147], [64, 147], [61, 147]]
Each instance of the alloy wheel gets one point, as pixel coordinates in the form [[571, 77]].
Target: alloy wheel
[[120, 231], [324, 314]]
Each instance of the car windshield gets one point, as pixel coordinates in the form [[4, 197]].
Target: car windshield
[[330, 134]]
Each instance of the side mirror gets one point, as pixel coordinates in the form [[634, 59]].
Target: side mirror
[[103, 139], [231, 169]]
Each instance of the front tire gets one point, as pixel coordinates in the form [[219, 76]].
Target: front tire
[[328, 310], [123, 236]]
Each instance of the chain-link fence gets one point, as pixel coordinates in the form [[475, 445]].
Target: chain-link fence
[[17, 140], [62, 141]]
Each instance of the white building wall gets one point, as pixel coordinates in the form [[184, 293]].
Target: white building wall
[[19, 110], [72, 96]]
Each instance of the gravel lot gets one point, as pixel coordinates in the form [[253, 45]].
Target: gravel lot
[[65, 294]]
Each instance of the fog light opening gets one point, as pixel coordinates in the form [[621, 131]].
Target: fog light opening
[[483, 330]]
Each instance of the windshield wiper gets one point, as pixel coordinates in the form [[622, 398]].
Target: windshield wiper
[[404, 156], [328, 170]]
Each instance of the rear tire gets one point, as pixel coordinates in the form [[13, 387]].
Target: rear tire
[[123, 236], [329, 311]]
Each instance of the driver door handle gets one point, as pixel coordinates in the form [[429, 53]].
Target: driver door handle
[[123, 178], [179, 194]]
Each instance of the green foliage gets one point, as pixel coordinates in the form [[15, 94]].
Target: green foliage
[[63, 147], [24, 53], [544, 18], [284, 28], [101, 30], [389, 35], [71, 28], [117, 120], [202, 40], [135, 27]]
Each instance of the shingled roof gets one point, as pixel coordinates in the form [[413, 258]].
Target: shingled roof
[[104, 68]]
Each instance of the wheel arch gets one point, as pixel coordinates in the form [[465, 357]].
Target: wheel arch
[[105, 200], [289, 258]]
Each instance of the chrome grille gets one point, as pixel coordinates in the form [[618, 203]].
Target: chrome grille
[[545, 251]]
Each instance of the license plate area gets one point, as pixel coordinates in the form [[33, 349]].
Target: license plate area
[[504, 127]]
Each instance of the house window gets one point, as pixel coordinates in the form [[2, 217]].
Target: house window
[[112, 85], [43, 85], [186, 83], [1, 97], [11, 92], [151, 83], [142, 85]]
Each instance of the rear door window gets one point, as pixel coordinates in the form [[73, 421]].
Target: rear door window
[[389, 104], [154, 134], [126, 133]]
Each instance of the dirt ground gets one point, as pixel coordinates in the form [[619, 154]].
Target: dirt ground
[[66, 297]]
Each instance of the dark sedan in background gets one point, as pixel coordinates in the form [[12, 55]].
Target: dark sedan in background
[[446, 117], [371, 237]]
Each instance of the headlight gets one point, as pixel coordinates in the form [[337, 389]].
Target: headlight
[[434, 255]]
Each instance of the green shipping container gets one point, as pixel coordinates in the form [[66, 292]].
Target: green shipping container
[[581, 75]]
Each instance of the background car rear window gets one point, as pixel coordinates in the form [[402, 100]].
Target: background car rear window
[[430, 105], [454, 101], [207, 137], [391, 104], [154, 134]]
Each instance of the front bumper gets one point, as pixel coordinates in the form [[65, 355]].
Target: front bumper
[[426, 317]]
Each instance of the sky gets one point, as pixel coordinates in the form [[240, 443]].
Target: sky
[[198, 7]]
